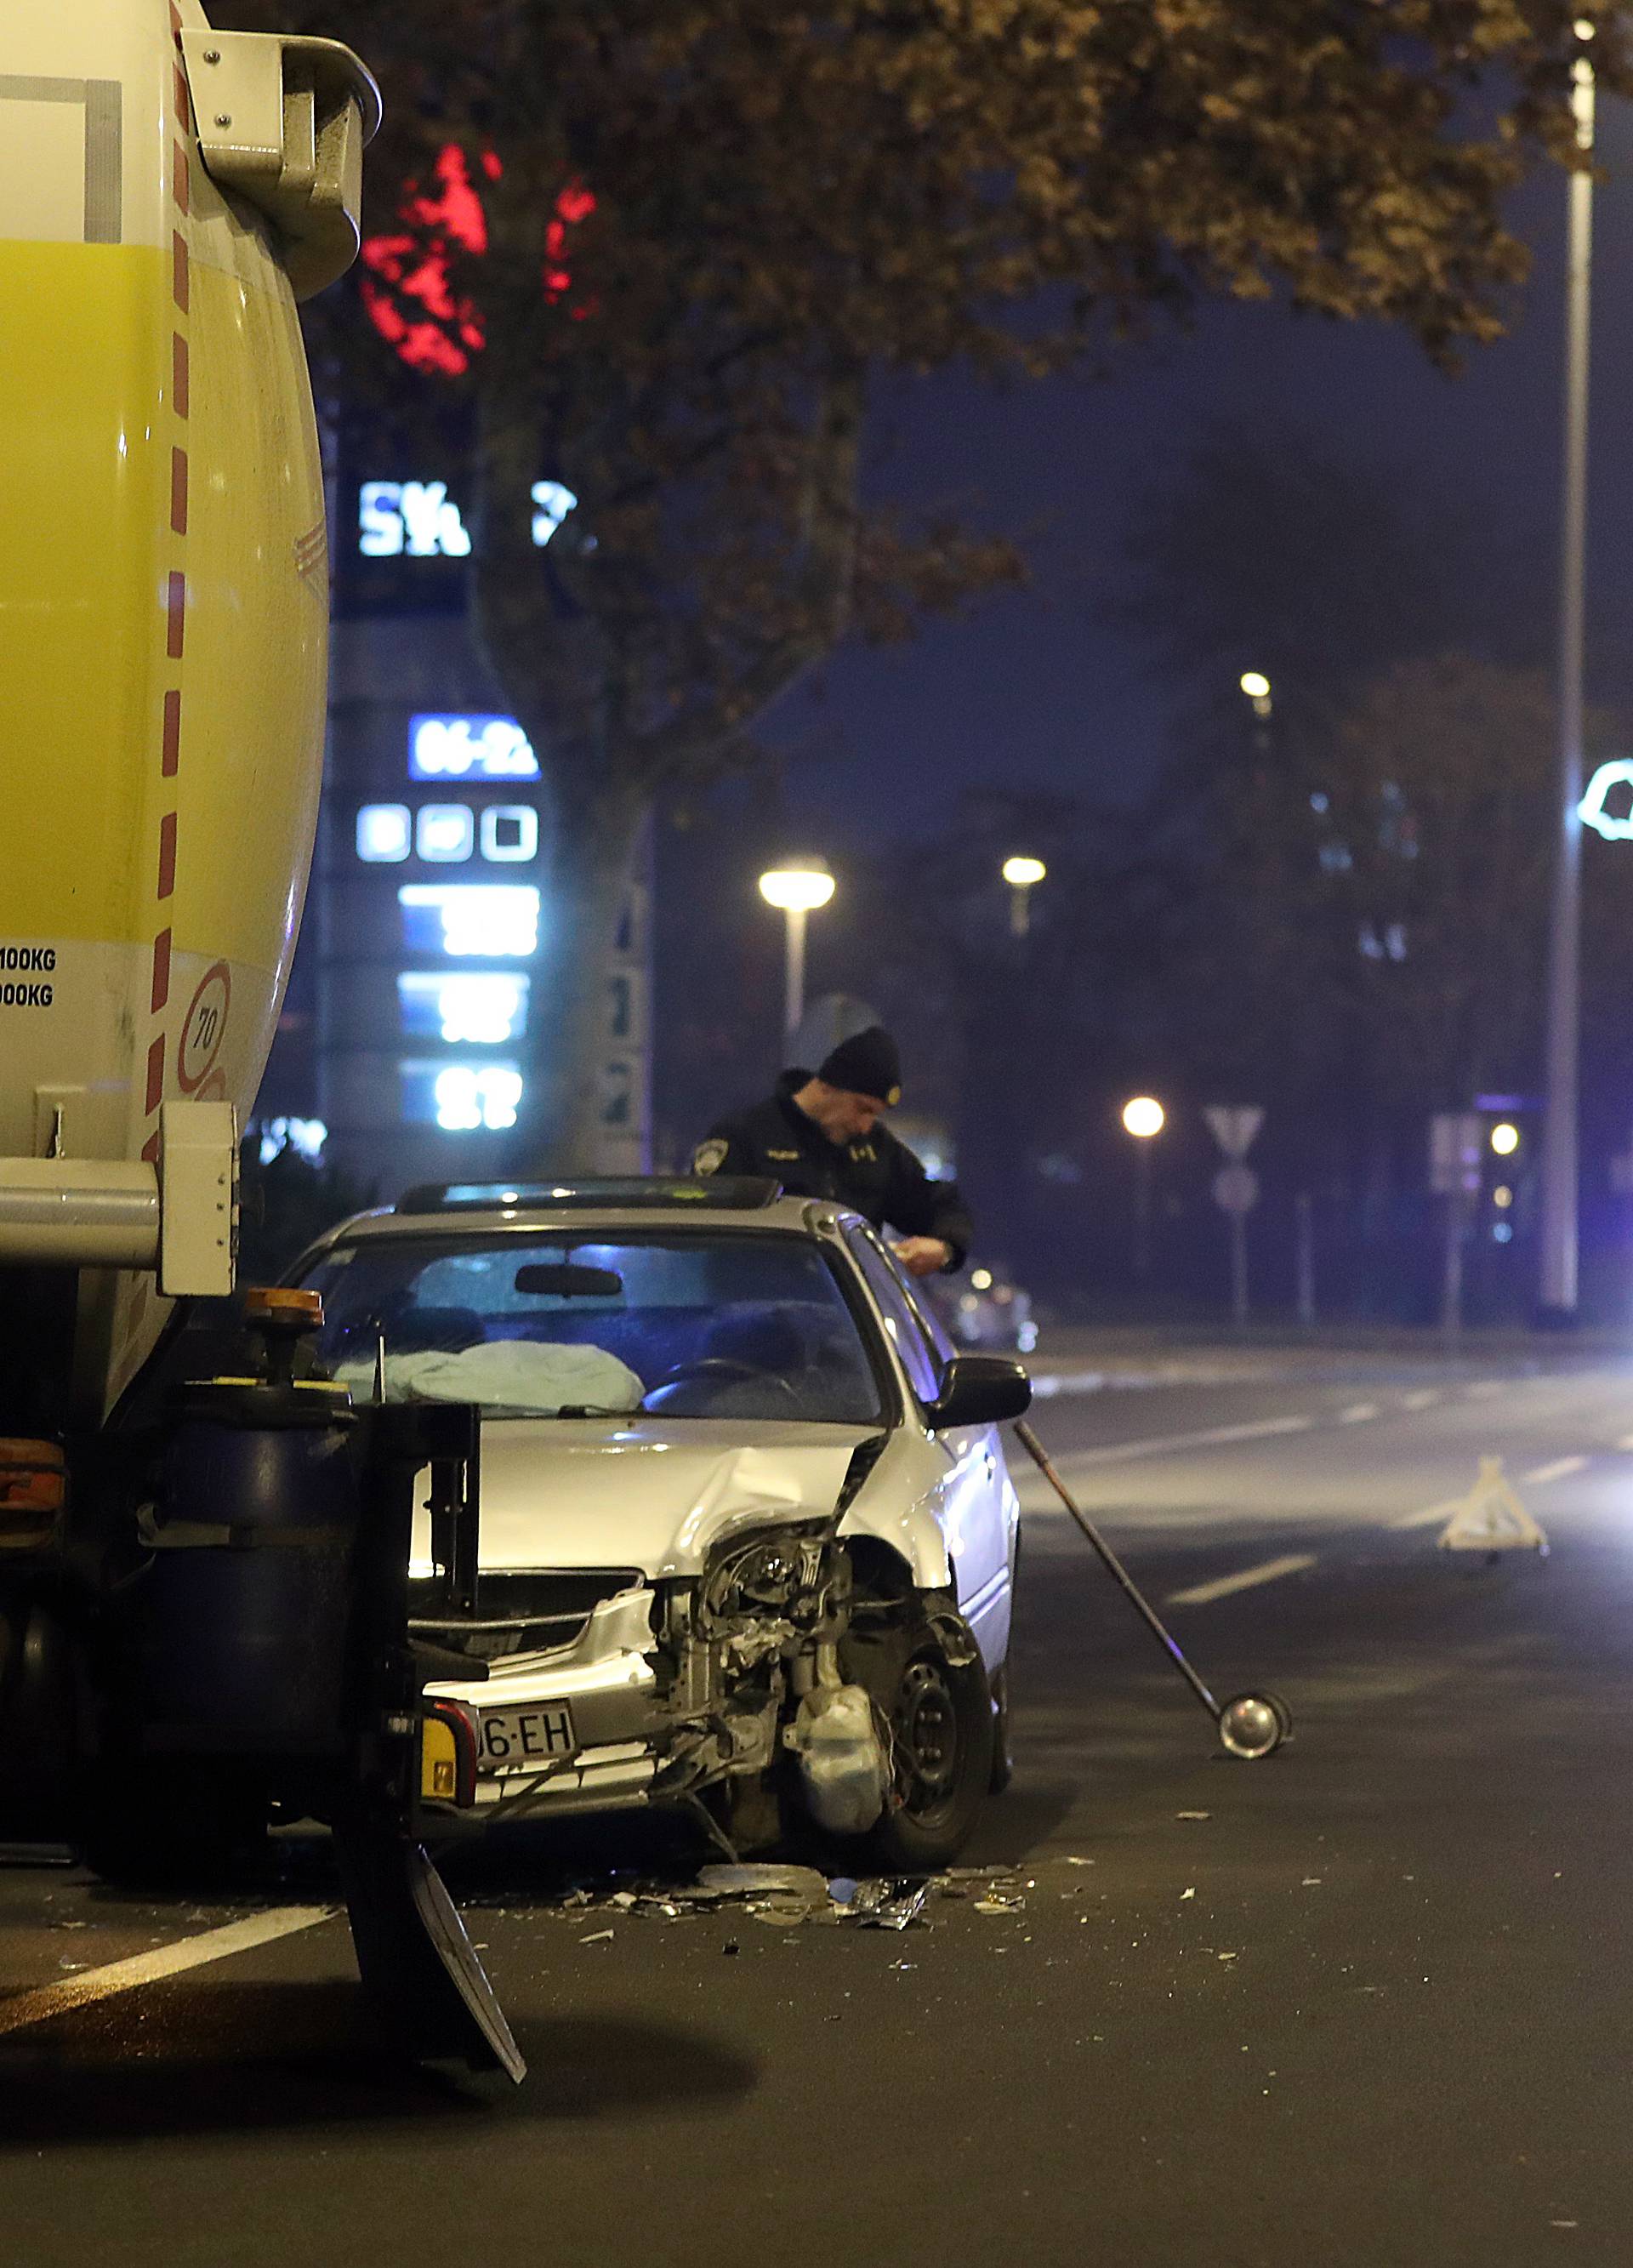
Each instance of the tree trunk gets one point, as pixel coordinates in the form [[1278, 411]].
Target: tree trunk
[[586, 887]]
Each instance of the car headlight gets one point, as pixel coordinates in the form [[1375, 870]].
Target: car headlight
[[767, 1576]]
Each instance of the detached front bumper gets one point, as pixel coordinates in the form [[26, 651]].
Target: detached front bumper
[[578, 1728]]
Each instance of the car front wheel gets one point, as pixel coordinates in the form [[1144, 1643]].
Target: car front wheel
[[939, 1712]]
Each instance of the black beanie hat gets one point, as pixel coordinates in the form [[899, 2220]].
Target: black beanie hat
[[865, 1064]]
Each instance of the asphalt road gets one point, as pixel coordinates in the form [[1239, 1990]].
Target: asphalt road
[[1368, 2003]]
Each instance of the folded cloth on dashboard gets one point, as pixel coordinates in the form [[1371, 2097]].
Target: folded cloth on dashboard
[[516, 1374]]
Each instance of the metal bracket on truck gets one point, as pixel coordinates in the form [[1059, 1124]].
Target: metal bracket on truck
[[176, 1218]]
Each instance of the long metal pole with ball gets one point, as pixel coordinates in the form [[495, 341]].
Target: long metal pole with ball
[[1249, 1725]]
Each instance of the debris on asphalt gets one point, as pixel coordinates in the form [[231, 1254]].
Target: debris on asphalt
[[1089, 1862], [783, 1912], [1193, 1815], [1188, 1894], [891, 1902], [745, 1880], [792, 1897]]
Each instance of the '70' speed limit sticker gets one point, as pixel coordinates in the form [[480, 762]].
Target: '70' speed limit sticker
[[206, 1022]]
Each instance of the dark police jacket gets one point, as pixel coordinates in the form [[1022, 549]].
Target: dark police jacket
[[877, 1176]]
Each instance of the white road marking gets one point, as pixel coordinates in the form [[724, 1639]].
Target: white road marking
[[1424, 1397], [1560, 1469], [1200, 1593], [164, 1961], [1161, 1445], [1430, 1515], [1626, 1442], [1483, 1389], [1357, 1413]]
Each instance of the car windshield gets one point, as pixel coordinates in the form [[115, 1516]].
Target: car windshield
[[559, 1324]]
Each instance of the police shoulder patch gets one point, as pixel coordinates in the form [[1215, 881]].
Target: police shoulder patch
[[709, 1156]]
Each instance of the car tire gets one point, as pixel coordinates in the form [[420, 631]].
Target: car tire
[[940, 1715]]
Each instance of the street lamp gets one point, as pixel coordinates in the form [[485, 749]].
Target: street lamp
[[1256, 686], [1023, 875], [1144, 1118], [1504, 1138], [796, 888], [1558, 1287]]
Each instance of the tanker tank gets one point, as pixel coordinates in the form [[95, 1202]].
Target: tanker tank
[[165, 195]]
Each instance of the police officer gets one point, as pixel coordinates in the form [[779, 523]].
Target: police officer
[[820, 1135]]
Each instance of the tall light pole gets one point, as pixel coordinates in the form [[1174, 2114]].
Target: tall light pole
[[1023, 876], [1558, 1287], [1144, 1118], [797, 887]]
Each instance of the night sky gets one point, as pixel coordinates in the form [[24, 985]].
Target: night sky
[[1034, 686]]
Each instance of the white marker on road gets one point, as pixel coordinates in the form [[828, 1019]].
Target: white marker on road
[[1200, 1593], [1560, 1469], [164, 1961], [1422, 1397], [1357, 1413]]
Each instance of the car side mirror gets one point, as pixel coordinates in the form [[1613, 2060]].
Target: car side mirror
[[980, 1389]]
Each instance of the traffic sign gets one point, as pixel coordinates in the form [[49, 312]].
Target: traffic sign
[[1236, 1189], [1456, 1140], [1234, 1125]]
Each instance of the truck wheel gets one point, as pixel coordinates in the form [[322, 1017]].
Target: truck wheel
[[38, 1721], [148, 1830]]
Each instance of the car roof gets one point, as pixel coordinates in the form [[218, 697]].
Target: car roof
[[779, 1216]]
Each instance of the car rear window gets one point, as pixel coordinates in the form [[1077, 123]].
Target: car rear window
[[711, 1327]]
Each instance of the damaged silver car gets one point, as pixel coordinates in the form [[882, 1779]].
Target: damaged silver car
[[746, 1536]]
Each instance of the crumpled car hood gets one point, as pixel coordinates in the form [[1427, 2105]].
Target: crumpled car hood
[[651, 1494]]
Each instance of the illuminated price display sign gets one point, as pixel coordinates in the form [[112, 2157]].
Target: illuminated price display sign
[[463, 747]]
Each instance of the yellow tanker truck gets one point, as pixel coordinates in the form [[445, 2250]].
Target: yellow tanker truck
[[203, 1574]]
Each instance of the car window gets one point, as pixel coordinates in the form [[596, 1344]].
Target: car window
[[739, 1326], [918, 1357]]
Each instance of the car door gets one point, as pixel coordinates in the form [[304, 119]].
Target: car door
[[974, 1503]]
